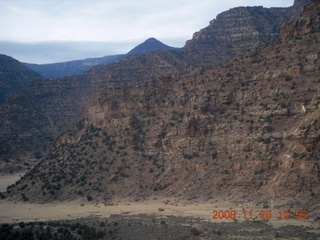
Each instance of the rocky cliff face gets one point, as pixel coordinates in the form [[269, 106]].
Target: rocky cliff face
[[61, 103], [298, 6], [248, 129], [307, 23], [239, 29]]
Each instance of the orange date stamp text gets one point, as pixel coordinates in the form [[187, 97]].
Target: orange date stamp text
[[261, 215]]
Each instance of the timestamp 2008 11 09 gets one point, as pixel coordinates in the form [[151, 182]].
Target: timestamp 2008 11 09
[[261, 215]]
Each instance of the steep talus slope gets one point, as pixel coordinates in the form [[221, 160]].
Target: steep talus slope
[[13, 76], [248, 129]]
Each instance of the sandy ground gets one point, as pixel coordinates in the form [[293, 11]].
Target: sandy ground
[[6, 180], [19, 211], [16, 212]]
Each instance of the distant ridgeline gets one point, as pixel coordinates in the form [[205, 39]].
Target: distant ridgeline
[[77, 67]]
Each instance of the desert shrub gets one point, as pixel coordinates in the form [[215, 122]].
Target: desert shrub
[[26, 234], [214, 155], [66, 234], [187, 156], [22, 225], [267, 129], [114, 105], [100, 234], [288, 78], [24, 197], [89, 198], [195, 154], [37, 155], [195, 232], [267, 141]]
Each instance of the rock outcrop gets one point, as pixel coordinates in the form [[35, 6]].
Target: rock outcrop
[[239, 29], [308, 22]]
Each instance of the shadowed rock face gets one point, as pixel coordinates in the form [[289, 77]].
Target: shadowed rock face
[[13, 76], [237, 130]]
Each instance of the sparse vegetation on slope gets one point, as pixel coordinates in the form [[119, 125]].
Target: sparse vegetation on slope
[[61, 103], [238, 130], [13, 76]]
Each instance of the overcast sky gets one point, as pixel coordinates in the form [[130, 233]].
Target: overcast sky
[[43, 31]]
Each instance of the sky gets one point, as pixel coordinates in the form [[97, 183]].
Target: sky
[[46, 31]]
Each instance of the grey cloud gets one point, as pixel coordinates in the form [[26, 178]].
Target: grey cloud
[[108, 22]]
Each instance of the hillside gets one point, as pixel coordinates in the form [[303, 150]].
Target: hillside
[[32, 119], [247, 129], [57, 105], [13, 76], [78, 67], [52, 107]]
